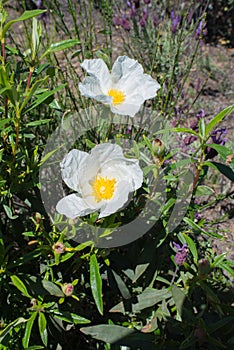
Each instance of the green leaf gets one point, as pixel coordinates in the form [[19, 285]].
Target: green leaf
[[203, 190], [48, 155], [107, 333], [119, 335], [42, 328], [9, 212], [218, 260], [218, 118], [28, 330], [200, 229], [226, 267], [52, 288], [192, 247], [224, 169], [60, 46], [179, 297], [3, 122], [222, 150], [43, 97], [38, 122], [70, 317], [96, 283], [20, 285], [10, 326], [26, 15], [190, 131], [121, 285]]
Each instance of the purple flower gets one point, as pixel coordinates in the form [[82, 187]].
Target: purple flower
[[181, 254], [201, 114], [175, 21], [117, 21], [217, 136], [156, 20], [147, 2], [125, 23], [132, 11], [201, 30], [144, 18]]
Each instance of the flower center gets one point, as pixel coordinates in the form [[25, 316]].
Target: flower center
[[103, 188], [117, 96]]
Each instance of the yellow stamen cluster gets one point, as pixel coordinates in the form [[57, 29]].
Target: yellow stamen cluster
[[103, 188], [118, 96]]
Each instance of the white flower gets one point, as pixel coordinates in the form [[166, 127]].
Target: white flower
[[102, 179], [125, 89]]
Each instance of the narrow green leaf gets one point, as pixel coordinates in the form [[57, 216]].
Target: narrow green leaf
[[96, 283], [26, 15], [200, 229], [192, 247], [222, 150], [42, 328], [38, 122], [107, 333], [10, 326], [28, 330], [20, 285], [43, 97], [70, 317], [229, 269], [218, 118], [48, 155], [179, 297], [218, 260], [60, 46], [187, 130], [223, 168]]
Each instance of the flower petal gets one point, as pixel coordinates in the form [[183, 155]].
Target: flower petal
[[130, 106], [73, 206], [122, 191], [90, 87], [125, 67], [124, 170], [106, 151], [149, 87], [97, 69], [70, 167]]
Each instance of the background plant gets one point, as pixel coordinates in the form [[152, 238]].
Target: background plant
[[167, 290]]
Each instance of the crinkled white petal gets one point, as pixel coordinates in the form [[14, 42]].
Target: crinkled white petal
[[70, 168], [98, 69], [130, 106], [149, 87], [106, 151], [122, 191], [73, 206], [90, 87], [125, 67], [124, 170]]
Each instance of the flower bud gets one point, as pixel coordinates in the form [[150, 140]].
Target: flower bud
[[59, 248], [203, 268], [158, 148], [67, 289]]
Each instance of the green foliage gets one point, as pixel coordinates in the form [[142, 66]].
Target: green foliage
[[137, 295]]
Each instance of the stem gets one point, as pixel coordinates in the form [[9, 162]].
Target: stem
[[3, 53], [31, 69]]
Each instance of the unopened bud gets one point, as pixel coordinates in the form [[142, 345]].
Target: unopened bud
[[203, 268], [59, 248], [158, 148], [67, 289]]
